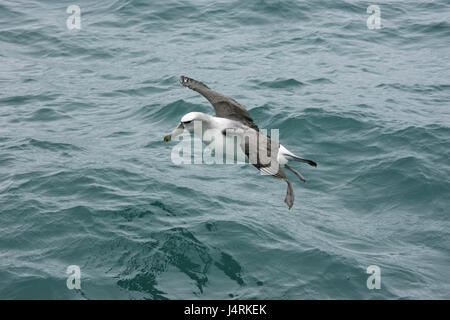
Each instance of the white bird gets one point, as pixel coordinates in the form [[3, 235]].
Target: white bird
[[266, 154]]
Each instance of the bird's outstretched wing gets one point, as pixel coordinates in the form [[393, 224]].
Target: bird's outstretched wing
[[225, 107]]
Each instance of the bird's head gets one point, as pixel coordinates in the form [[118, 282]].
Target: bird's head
[[187, 123]]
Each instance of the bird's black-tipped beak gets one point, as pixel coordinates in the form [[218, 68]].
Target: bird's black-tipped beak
[[176, 132]]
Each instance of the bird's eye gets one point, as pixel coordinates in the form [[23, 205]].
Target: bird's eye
[[186, 122]]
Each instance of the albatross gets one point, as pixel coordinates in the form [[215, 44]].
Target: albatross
[[265, 153]]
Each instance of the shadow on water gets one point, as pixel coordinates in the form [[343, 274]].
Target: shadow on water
[[179, 248], [143, 257]]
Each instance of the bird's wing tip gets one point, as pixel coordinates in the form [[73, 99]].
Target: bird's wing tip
[[192, 83]]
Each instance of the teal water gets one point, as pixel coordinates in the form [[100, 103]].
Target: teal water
[[86, 180]]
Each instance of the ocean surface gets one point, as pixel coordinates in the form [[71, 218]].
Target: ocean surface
[[86, 180]]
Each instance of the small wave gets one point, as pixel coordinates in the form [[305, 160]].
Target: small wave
[[435, 29], [416, 88], [45, 145], [53, 146], [320, 81], [47, 114], [280, 83], [24, 99], [140, 92]]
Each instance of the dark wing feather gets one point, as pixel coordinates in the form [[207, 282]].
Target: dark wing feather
[[225, 107], [269, 149], [262, 152]]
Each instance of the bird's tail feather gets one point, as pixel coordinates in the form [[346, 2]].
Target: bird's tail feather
[[299, 159]]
